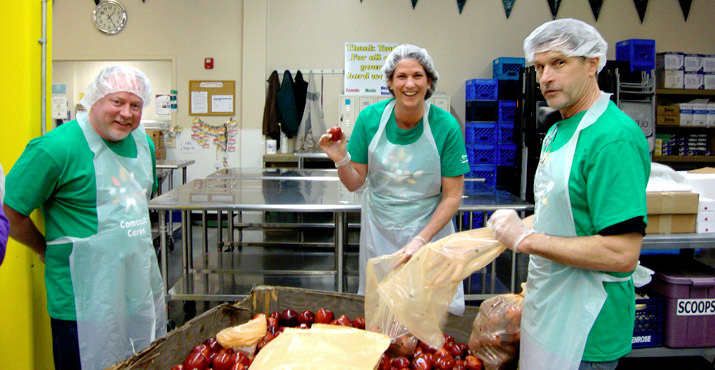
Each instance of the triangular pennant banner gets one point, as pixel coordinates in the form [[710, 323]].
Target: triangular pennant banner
[[685, 7], [414, 3], [554, 6], [460, 5], [596, 7], [641, 6], [508, 4]]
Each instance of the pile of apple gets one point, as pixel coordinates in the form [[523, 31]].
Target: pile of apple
[[211, 355]]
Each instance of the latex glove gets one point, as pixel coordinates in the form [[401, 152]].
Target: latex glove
[[409, 249], [336, 150], [508, 228]]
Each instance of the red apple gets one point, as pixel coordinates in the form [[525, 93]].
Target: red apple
[[241, 358], [473, 363], [454, 349], [178, 367], [306, 317], [196, 360], [444, 363], [276, 315], [272, 322], [385, 363], [359, 323], [400, 362], [323, 316], [222, 361], [289, 318], [213, 344], [448, 338], [422, 361], [335, 133], [459, 365]]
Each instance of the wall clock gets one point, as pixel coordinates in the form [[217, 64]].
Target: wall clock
[[110, 16]]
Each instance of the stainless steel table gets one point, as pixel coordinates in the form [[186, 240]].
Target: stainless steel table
[[164, 168], [269, 193], [303, 156], [277, 173]]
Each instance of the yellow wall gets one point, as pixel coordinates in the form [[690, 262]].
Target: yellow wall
[[25, 339]]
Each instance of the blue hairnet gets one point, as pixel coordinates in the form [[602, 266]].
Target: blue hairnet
[[571, 37], [114, 79], [413, 52]]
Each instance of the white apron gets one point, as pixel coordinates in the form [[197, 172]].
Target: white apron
[[119, 294], [404, 189], [561, 302]]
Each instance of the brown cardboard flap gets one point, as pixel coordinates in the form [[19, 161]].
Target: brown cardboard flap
[[671, 224], [671, 202], [703, 170], [667, 109]]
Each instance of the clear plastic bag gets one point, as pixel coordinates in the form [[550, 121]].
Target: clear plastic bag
[[495, 330], [414, 298]]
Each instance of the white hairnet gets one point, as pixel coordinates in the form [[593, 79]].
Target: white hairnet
[[409, 51], [114, 79], [572, 37]]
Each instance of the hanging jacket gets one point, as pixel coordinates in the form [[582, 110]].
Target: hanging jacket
[[300, 89], [286, 106], [271, 116], [312, 125]]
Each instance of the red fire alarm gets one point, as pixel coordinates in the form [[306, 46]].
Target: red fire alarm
[[208, 63]]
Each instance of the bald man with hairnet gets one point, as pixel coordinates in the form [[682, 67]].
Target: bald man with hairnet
[[92, 178]]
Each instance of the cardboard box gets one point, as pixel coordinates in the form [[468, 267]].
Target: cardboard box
[[705, 227], [669, 79], [172, 348], [667, 110], [711, 121], [160, 153], [692, 63], [686, 114], [671, 224], [668, 120], [671, 202], [706, 205], [689, 288], [693, 80], [700, 115], [669, 60], [708, 63], [157, 136], [709, 81], [702, 180]]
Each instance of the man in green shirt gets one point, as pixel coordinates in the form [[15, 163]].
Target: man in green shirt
[[92, 178], [590, 211]]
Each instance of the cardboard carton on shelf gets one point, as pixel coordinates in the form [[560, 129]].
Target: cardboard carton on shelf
[[671, 212]]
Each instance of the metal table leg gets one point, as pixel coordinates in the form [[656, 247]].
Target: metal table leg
[[339, 243]]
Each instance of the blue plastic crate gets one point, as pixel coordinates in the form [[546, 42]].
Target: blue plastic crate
[[639, 66], [507, 68], [649, 323], [482, 154], [636, 50], [480, 110], [507, 154], [506, 111], [481, 132], [505, 132], [482, 89], [477, 220], [486, 172]]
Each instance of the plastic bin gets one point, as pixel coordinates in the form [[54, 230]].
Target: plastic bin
[[506, 111], [640, 52], [648, 328], [482, 154], [507, 154], [481, 89], [507, 68], [481, 132], [478, 110], [486, 172], [477, 220], [689, 290], [505, 133]]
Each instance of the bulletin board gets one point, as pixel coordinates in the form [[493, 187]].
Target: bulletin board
[[212, 98]]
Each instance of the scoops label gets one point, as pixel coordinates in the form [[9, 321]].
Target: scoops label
[[695, 307]]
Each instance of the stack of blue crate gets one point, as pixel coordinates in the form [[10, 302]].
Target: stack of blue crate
[[506, 70], [481, 134], [639, 52]]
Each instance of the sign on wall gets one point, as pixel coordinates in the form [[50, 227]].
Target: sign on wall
[[363, 61]]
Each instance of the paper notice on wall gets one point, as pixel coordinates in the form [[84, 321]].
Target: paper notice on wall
[[199, 102], [187, 145], [222, 103], [363, 64], [59, 107], [162, 106]]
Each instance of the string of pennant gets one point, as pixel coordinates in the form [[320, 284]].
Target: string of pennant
[[641, 6]]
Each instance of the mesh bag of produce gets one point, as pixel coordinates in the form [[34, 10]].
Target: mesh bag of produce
[[414, 298], [495, 331]]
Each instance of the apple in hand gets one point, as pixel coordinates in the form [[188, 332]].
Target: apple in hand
[[335, 133]]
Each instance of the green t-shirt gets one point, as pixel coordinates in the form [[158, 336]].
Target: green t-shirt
[[445, 130], [56, 173], [607, 184]]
